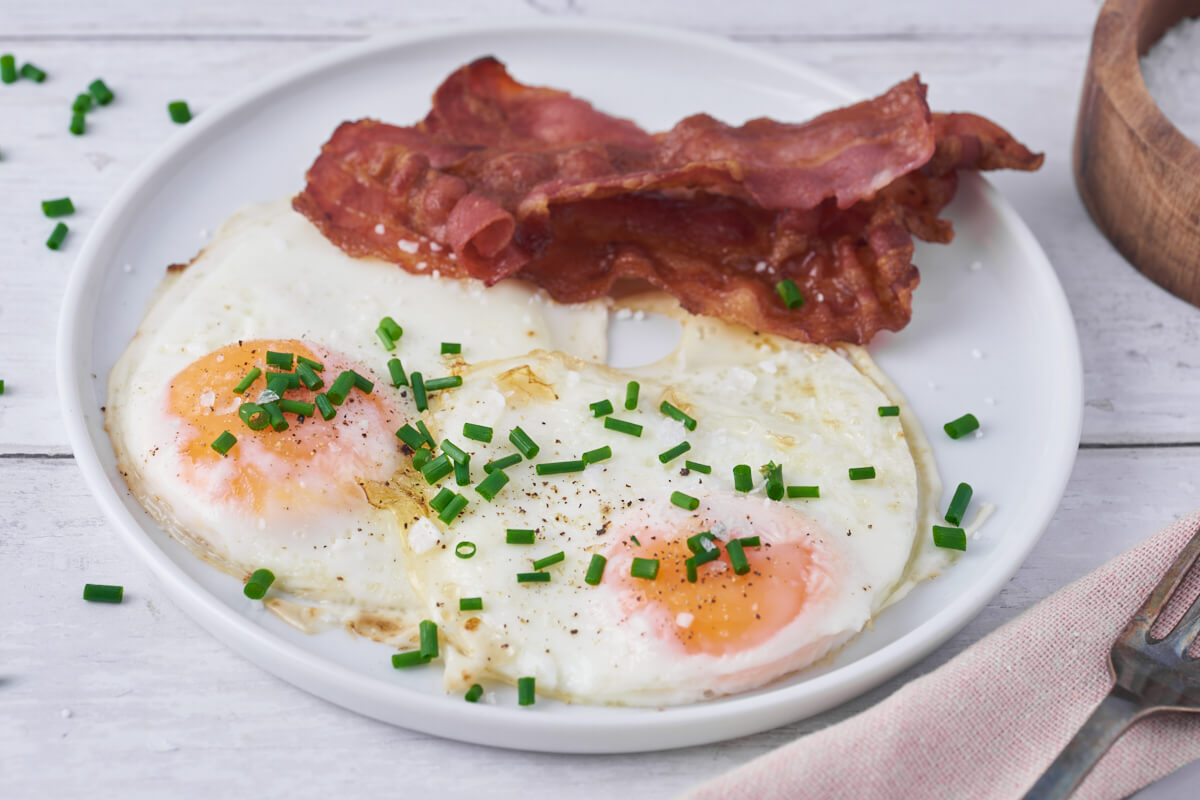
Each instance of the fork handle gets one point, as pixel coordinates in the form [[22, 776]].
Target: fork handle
[[1106, 724]]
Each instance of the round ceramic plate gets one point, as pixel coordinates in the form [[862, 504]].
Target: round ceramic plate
[[991, 334]]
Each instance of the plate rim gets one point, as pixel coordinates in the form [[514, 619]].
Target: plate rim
[[493, 725]]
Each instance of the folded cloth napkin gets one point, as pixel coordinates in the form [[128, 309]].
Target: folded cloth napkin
[[989, 722]]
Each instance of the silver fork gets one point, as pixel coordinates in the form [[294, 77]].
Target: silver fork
[[1150, 675]]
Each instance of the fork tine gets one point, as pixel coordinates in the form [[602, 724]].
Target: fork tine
[[1184, 632], [1158, 598]]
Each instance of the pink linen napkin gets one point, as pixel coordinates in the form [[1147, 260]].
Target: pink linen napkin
[[987, 723]]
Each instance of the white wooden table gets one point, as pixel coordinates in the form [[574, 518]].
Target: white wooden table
[[136, 701]]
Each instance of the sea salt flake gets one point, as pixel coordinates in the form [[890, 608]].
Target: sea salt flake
[[423, 536], [380, 230], [684, 619], [408, 246]]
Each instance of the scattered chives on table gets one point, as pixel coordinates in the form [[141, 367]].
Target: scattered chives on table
[[958, 428], [179, 111], [103, 593], [78, 124], [58, 208], [57, 236], [82, 104], [30, 72], [959, 503], [8, 68], [260, 580], [100, 92]]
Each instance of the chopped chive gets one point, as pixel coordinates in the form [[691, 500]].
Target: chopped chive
[[297, 407], [677, 414], [958, 428], [751, 541], [705, 556], [490, 486], [601, 408], [8, 68], [275, 416], [644, 568], [325, 407], [103, 593], [58, 208], [958, 505], [479, 433], [223, 442], [519, 536], [696, 466], [248, 379], [455, 452], [862, 473], [595, 570], [692, 574], [308, 362], [685, 501], [82, 104], [631, 395], [390, 327], [789, 292], [410, 436], [635, 541], [737, 557], [57, 236], [803, 491], [774, 475], [437, 469], [560, 467], [412, 658], [702, 542], [597, 455], [525, 691], [418, 386], [421, 457], [533, 577], [429, 638], [470, 604], [549, 560], [309, 377], [341, 387], [462, 471], [281, 360], [949, 538], [362, 384], [281, 382], [441, 499], [667, 456], [889, 411], [396, 370], [503, 463], [520, 440], [179, 111], [621, 426], [425, 432], [451, 348], [437, 384], [254, 415], [1, 387], [385, 338], [32, 73], [256, 586], [743, 478], [101, 92], [453, 508], [78, 124], [474, 693]]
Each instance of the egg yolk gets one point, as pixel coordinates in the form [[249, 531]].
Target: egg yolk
[[313, 463], [723, 612]]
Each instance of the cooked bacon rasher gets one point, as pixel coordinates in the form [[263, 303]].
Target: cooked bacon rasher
[[504, 180]]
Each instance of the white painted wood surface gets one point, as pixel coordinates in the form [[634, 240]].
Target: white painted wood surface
[[136, 701]]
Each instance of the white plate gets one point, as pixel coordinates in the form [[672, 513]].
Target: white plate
[[256, 147]]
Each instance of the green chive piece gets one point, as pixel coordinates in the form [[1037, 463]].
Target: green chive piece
[[474, 693], [803, 491], [418, 387], [82, 104], [362, 384], [862, 473], [249, 378], [631, 395], [774, 475], [751, 541], [297, 407], [743, 478], [410, 436], [677, 414], [57, 236], [100, 92], [8, 68], [260, 580], [549, 560], [101, 592], [675, 452], [950, 538], [412, 658], [425, 433], [396, 370], [437, 384], [705, 556], [429, 638], [453, 508], [560, 467], [1, 387], [958, 428], [281, 382], [455, 452], [889, 411], [502, 463], [525, 691], [465, 549], [308, 362], [478, 433], [601, 408], [696, 466], [595, 570], [958, 505], [737, 557], [702, 542], [520, 440], [78, 124], [58, 208], [223, 442], [341, 387], [325, 407], [519, 536], [685, 501], [635, 541], [437, 469], [421, 457], [490, 486], [390, 327], [789, 292], [32, 73], [470, 604], [385, 338], [692, 574], [441, 500], [308, 376], [254, 415], [280, 360], [597, 455], [462, 471], [621, 426], [275, 416], [451, 348], [533, 577], [179, 111], [644, 568]]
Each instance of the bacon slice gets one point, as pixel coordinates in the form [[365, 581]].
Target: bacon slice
[[531, 182]]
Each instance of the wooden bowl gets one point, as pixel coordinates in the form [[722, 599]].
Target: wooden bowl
[[1137, 174]]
